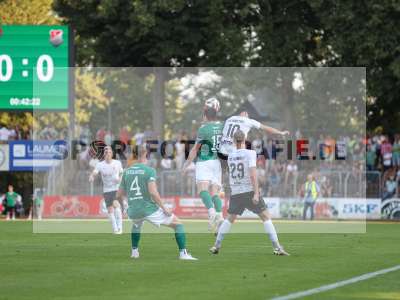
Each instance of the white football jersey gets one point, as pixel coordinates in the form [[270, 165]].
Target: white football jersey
[[110, 174], [231, 125], [239, 163]]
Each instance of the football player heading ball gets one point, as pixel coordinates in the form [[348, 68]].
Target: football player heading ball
[[208, 166]]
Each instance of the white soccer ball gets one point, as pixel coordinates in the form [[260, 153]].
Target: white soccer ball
[[212, 103]]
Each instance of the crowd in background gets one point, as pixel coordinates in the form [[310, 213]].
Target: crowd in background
[[375, 153], [49, 132], [9, 133], [279, 176]]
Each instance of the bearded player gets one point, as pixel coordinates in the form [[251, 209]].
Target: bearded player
[[110, 170], [208, 166], [144, 203], [245, 193]]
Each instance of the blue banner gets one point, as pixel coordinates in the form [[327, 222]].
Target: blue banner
[[36, 155]]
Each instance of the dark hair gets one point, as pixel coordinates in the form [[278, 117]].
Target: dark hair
[[210, 113], [138, 151], [239, 136]]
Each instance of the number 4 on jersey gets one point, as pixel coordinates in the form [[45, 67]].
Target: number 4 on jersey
[[135, 187]]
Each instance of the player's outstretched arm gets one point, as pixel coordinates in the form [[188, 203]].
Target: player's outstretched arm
[[155, 195], [192, 156], [272, 130]]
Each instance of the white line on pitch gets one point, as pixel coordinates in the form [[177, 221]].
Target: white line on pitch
[[335, 285]]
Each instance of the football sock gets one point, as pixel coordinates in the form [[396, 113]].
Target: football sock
[[217, 203], [118, 217], [111, 216], [270, 230], [180, 237], [206, 198], [223, 229], [211, 213], [135, 236]]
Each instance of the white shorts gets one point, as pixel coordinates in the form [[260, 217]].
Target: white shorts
[[209, 170], [157, 218]]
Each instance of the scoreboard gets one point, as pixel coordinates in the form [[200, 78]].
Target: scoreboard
[[34, 67]]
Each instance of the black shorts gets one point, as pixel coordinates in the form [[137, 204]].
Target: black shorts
[[239, 202], [109, 198], [225, 173]]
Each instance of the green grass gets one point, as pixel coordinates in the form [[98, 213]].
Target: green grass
[[97, 266]]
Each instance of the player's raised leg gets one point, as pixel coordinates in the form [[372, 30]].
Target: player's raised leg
[[207, 200], [215, 190], [208, 166]]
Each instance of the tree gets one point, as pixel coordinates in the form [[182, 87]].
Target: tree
[[159, 34], [288, 34], [38, 12], [363, 33]]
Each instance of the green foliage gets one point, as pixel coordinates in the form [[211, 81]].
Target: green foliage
[[37, 12], [364, 33], [159, 33]]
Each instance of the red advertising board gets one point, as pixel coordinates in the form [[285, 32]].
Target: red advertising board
[[73, 207], [93, 207]]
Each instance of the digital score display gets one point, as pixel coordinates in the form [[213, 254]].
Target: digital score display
[[34, 67]]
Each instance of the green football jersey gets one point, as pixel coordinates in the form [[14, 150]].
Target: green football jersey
[[209, 136], [134, 182], [11, 198]]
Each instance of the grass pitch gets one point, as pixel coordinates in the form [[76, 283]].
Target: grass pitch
[[98, 266]]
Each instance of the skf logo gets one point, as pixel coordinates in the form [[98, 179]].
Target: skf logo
[[56, 37], [359, 208]]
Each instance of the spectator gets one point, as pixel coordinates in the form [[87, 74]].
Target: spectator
[[19, 208], [11, 201], [166, 164], [19, 133], [85, 135], [108, 137], [139, 138], [100, 134], [48, 133], [37, 205], [4, 133], [386, 153], [124, 135], [291, 173], [262, 177], [396, 151], [370, 158], [274, 180], [12, 134], [311, 193], [389, 188], [257, 144], [180, 150], [326, 187]]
